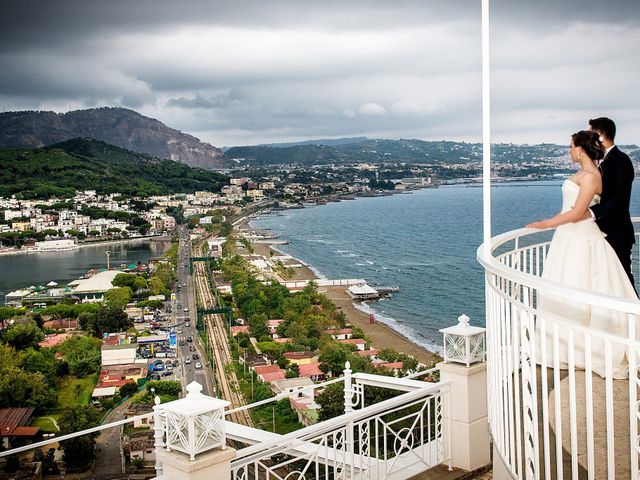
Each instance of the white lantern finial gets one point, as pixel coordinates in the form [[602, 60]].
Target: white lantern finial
[[464, 343], [195, 423]]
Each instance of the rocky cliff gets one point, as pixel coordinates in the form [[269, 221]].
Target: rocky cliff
[[117, 126]]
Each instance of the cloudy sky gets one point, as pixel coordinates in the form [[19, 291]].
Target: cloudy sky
[[247, 72]]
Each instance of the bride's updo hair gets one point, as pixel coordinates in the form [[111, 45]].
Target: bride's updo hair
[[590, 142]]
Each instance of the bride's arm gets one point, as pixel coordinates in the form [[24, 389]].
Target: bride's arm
[[588, 186]]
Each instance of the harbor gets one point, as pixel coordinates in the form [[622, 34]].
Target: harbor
[[38, 269]]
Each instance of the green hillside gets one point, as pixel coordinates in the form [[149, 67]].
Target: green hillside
[[87, 164]]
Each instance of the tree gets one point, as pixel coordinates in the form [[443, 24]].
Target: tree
[[128, 389], [40, 361], [258, 325], [123, 280], [118, 297], [333, 357], [19, 388], [8, 312], [110, 318], [139, 283], [82, 354], [79, 451], [331, 401], [23, 335]]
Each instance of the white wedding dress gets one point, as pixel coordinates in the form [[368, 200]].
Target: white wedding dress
[[581, 257]]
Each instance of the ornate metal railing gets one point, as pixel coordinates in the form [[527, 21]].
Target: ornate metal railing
[[408, 433], [397, 438], [563, 394]]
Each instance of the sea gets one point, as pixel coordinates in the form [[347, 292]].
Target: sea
[[424, 242]]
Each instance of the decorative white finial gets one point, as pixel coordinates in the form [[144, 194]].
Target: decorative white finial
[[194, 390], [347, 365], [156, 400], [464, 343]]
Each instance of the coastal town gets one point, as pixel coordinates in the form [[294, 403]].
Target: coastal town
[[98, 348]]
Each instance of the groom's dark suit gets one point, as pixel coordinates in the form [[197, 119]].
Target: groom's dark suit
[[612, 213]]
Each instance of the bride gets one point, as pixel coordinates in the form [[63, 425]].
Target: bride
[[579, 256]]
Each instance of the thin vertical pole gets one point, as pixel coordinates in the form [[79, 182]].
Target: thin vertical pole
[[486, 130]]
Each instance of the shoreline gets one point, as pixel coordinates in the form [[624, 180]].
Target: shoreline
[[381, 334]]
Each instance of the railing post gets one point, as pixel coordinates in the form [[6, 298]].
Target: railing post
[[195, 444], [466, 414], [158, 434], [348, 389]]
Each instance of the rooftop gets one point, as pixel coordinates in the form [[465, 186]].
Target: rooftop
[[100, 282]]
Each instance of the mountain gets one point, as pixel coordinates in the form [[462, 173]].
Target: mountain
[[389, 151], [117, 126], [325, 141], [88, 164], [398, 151]]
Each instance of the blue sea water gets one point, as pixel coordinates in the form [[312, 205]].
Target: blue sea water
[[424, 242]]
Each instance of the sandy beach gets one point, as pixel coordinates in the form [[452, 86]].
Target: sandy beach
[[380, 334]]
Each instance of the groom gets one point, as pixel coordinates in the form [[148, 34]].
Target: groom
[[612, 213]]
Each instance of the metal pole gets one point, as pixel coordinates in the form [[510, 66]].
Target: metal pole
[[486, 130]]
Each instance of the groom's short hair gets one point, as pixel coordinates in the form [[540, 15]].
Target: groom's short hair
[[605, 126]]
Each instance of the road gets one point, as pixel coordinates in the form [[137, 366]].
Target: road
[[185, 298], [109, 461]]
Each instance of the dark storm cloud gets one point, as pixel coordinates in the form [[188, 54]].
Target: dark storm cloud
[[245, 71]]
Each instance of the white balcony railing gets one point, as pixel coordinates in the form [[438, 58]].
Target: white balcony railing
[[397, 438], [555, 408], [393, 439]]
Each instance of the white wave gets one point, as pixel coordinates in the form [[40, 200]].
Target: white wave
[[360, 264], [369, 262], [404, 330], [342, 251]]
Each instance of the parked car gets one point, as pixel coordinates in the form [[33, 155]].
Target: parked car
[[182, 343], [187, 324], [192, 348], [198, 365], [187, 361], [167, 373], [158, 362], [189, 339], [155, 376], [176, 363], [159, 367], [195, 356], [168, 362]]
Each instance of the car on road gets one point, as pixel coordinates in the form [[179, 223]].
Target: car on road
[[192, 348], [186, 309], [195, 356], [187, 324], [198, 365], [187, 361], [189, 339], [182, 343], [179, 330]]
